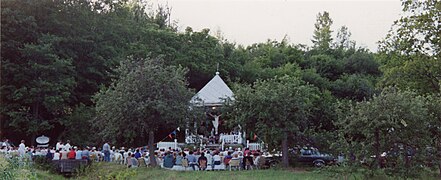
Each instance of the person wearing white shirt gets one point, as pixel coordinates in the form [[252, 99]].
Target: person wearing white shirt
[[216, 160], [67, 146], [56, 155], [22, 148], [58, 146]]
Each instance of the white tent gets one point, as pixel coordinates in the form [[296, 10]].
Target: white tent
[[214, 93]]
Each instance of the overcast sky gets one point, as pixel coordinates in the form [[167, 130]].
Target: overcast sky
[[249, 21]]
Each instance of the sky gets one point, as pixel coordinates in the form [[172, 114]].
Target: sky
[[247, 22]]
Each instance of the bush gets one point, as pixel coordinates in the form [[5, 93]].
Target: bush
[[45, 164], [16, 168]]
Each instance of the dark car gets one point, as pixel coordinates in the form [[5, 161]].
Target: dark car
[[312, 157]]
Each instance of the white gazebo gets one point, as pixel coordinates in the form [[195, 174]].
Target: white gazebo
[[214, 93]]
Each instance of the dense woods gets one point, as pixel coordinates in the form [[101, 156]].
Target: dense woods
[[63, 64]]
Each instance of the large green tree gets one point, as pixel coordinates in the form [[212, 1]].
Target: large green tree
[[410, 53], [146, 96], [387, 123], [276, 109]]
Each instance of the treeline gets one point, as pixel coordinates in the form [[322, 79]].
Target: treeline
[[60, 58]]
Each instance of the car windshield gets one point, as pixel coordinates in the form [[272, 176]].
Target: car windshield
[[309, 152]]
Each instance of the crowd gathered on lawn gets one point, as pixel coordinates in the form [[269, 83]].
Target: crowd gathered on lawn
[[175, 159]]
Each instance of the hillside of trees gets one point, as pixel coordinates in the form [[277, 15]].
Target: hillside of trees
[[63, 64]]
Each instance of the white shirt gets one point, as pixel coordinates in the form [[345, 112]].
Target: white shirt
[[67, 147], [58, 146], [56, 156], [21, 149], [216, 158]]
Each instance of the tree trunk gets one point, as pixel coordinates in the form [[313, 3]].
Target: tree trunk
[[377, 148], [33, 137], [1, 126], [439, 157], [152, 149], [285, 153]]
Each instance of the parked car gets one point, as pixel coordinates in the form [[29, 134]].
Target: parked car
[[306, 157], [312, 157]]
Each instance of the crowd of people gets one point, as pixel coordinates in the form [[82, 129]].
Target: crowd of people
[[199, 159]]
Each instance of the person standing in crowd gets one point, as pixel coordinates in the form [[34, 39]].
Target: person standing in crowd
[[22, 148], [63, 154], [79, 153], [67, 146], [57, 155], [71, 154], [106, 151], [49, 154], [59, 145], [85, 154]]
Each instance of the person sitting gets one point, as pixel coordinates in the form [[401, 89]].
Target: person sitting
[[184, 161], [129, 160], [192, 160], [202, 161], [216, 160], [179, 158], [134, 161], [227, 159], [137, 154], [234, 162], [168, 160]]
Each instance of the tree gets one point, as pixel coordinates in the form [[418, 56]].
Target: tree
[[434, 107], [343, 40], [322, 37], [410, 53], [45, 86], [276, 109], [388, 122], [147, 96]]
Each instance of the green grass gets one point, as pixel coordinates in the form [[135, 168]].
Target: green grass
[[113, 171]]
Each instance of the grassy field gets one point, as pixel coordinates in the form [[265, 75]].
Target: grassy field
[[113, 171]]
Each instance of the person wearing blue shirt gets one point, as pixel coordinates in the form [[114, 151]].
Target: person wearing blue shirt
[[137, 154], [192, 160]]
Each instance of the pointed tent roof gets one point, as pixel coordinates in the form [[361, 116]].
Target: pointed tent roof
[[213, 93]]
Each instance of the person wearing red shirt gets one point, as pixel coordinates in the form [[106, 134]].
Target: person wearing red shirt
[[71, 154]]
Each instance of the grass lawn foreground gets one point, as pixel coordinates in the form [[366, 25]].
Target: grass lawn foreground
[[114, 171]]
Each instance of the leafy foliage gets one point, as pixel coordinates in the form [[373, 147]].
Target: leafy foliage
[[388, 120], [147, 95], [290, 101]]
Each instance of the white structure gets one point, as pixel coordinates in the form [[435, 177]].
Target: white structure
[[214, 93], [254, 146], [167, 145], [231, 139]]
